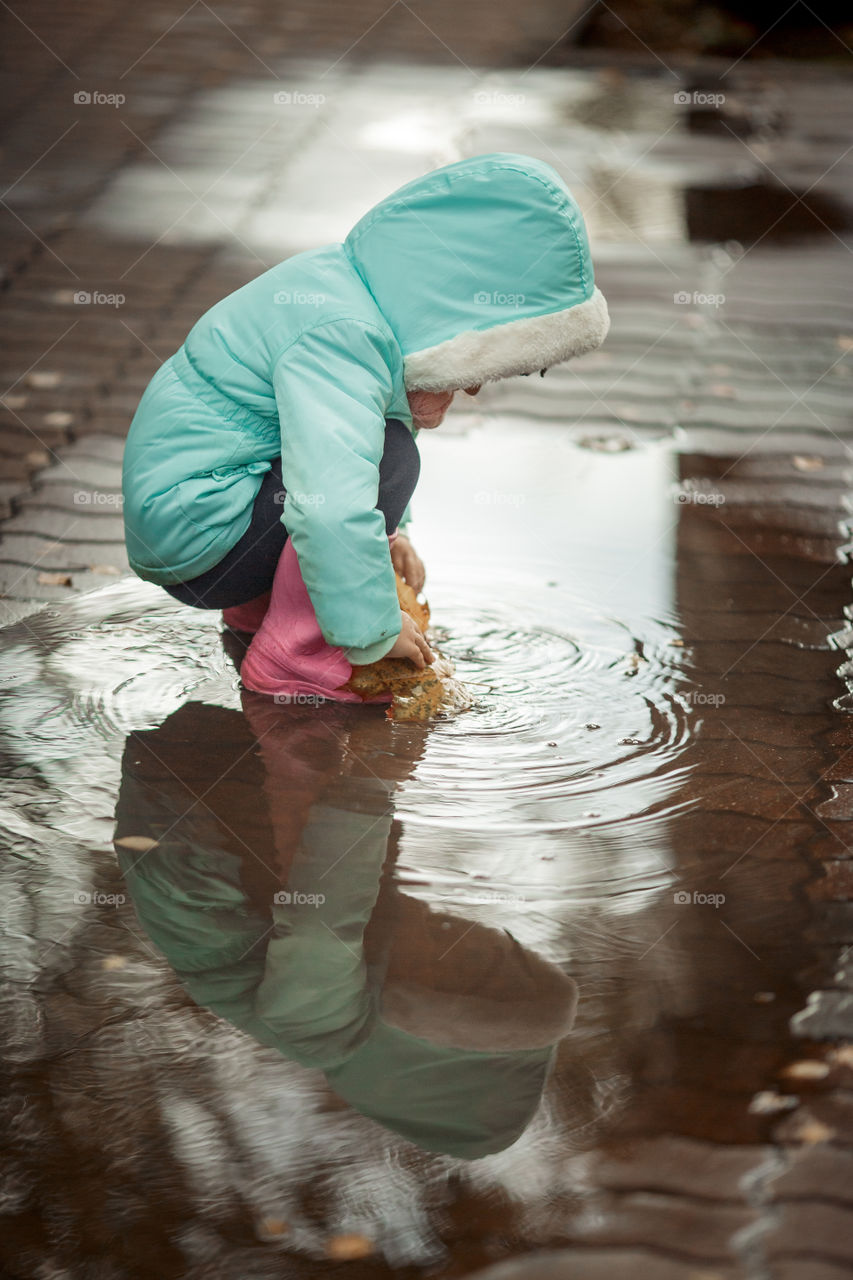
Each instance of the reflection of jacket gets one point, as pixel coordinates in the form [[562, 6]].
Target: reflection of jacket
[[473, 272], [269, 928]]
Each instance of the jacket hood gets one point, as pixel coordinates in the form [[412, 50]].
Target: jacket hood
[[483, 271]]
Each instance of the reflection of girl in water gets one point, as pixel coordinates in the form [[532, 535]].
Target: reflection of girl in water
[[441, 1029]]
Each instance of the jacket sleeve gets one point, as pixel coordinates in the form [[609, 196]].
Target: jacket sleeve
[[332, 388]]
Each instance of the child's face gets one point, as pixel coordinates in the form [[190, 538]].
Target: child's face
[[429, 407]]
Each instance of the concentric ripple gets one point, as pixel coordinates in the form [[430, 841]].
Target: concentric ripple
[[567, 731]]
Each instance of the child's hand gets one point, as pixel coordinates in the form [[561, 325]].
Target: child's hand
[[408, 563], [410, 643]]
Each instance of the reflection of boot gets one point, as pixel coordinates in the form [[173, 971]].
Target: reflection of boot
[[248, 616], [289, 656]]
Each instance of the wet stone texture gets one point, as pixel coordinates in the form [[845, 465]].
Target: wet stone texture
[[639, 564]]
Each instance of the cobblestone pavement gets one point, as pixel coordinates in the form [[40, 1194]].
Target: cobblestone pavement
[[731, 348]]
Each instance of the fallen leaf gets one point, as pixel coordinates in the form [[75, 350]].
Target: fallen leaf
[[415, 694], [410, 604], [808, 1069], [44, 378], [137, 844], [105, 568], [113, 962], [812, 1132], [844, 343], [45, 579], [272, 1229], [347, 1248], [767, 1102], [807, 462], [58, 418]]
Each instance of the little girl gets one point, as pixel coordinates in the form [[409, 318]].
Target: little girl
[[282, 434]]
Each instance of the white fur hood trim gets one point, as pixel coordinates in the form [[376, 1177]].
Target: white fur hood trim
[[519, 346]]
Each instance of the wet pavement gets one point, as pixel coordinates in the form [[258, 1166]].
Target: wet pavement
[[224, 919]]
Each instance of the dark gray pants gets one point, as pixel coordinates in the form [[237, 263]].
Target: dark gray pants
[[248, 569]]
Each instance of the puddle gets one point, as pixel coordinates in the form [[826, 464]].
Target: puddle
[[761, 211], [392, 921]]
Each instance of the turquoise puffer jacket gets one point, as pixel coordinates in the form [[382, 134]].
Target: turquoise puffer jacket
[[474, 272]]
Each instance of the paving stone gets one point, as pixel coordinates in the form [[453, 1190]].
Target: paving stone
[[813, 1228], [21, 583], [805, 1268], [836, 882], [831, 1111], [680, 1166], [819, 1166], [101, 503], [100, 448], [47, 553], [602, 1264], [696, 1230], [90, 473], [76, 524]]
